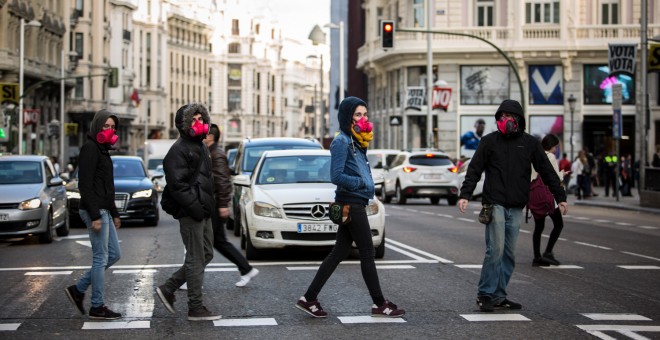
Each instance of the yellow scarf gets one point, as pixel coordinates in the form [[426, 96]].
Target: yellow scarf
[[363, 137]]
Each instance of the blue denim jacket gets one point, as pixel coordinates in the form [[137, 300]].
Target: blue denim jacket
[[350, 171]]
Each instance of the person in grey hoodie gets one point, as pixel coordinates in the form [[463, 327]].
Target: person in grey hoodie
[[351, 173]]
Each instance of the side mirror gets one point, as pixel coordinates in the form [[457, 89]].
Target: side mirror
[[242, 180], [159, 176], [386, 167], [55, 181]]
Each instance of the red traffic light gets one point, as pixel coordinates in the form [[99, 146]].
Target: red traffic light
[[387, 27]]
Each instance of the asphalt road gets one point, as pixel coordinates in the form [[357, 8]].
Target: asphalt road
[[607, 286]]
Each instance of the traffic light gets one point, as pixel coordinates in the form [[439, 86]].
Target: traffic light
[[4, 135], [387, 33], [113, 76]]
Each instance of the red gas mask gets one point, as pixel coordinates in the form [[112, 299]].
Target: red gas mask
[[363, 125], [507, 125], [107, 136], [198, 129]]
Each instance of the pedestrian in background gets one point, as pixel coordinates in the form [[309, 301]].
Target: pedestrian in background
[[549, 144], [222, 192], [610, 162], [580, 168], [565, 165], [351, 174], [187, 168], [656, 157], [56, 165], [99, 213], [506, 156]]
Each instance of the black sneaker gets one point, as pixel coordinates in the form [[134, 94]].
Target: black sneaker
[[550, 258], [76, 298], [388, 310], [103, 313], [166, 298], [508, 304], [540, 262], [485, 304], [202, 314], [312, 308]]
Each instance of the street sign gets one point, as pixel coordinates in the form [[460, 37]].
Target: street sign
[[617, 96], [441, 97], [654, 58], [395, 120], [617, 125], [8, 93]]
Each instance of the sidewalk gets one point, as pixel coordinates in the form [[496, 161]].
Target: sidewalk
[[626, 203]]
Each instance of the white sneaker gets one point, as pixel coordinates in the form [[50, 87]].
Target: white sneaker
[[247, 277]]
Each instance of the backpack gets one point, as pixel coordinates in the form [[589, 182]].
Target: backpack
[[541, 202]]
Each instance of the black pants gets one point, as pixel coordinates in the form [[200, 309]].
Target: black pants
[[357, 230], [224, 247], [610, 181], [539, 225]]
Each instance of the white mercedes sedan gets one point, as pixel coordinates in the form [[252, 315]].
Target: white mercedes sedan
[[284, 203]]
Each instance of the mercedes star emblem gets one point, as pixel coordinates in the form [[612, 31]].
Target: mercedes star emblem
[[318, 211]]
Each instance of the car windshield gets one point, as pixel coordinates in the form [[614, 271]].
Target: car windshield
[[154, 163], [295, 169], [253, 154], [374, 161], [128, 168], [430, 160], [231, 155], [20, 172]]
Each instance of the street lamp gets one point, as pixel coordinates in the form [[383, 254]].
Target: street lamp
[[571, 106], [318, 37], [33, 23]]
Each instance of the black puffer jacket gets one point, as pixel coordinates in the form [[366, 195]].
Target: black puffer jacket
[[507, 161], [95, 177], [187, 154]]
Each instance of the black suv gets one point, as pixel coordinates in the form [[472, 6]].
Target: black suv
[[248, 154]]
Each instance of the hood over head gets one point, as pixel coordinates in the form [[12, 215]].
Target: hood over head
[[100, 117], [513, 107], [346, 110], [184, 116]]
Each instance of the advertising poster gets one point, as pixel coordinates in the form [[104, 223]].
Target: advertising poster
[[539, 126], [472, 129], [598, 85], [484, 85], [545, 85]]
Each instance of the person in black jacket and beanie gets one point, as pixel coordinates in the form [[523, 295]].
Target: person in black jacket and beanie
[[187, 168], [98, 211], [507, 156]]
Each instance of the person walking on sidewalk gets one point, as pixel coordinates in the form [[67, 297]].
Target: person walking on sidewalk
[[549, 144], [222, 191], [506, 156], [580, 168], [98, 211], [351, 174], [610, 162], [565, 165], [187, 168]]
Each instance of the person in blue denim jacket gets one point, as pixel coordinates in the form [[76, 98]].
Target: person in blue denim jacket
[[351, 174]]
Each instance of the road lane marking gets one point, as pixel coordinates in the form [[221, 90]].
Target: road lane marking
[[369, 319], [591, 245], [133, 271], [494, 317], [245, 322], [85, 243], [616, 317], [407, 253], [564, 266], [50, 273], [9, 326], [428, 212], [623, 224], [444, 215], [221, 270], [639, 267], [648, 227], [419, 251], [597, 330], [640, 255], [116, 324], [602, 221], [377, 267], [466, 219], [581, 218], [74, 237], [469, 266], [413, 210]]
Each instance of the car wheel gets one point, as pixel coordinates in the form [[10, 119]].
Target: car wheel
[[151, 222], [452, 200], [400, 197], [383, 196], [47, 237], [380, 250], [251, 253], [63, 230], [435, 200]]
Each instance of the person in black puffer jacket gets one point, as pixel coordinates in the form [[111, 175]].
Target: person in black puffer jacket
[[187, 168], [507, 156]]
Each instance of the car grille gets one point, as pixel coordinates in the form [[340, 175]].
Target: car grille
[[307, 211], [121, 201], [292, 235], [8, 205], [13, 226]]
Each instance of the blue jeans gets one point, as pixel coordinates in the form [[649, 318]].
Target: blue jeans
[[105, 253], [500, 258]]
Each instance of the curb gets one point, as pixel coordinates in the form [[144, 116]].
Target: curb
[[617, 206]]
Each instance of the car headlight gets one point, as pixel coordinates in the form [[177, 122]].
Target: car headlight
[[30, 204], [72, 194], [142, 193], [266, 210], [372, 208]]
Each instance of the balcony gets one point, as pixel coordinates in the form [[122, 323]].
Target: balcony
[[75, 15]]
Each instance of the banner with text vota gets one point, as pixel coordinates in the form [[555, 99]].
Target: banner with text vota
[[622, 58]]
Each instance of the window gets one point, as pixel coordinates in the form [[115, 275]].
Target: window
[[79, 45], [256, 29], [234, 99], [148, 59], [234, 75], [485, 12], [484, 85], [234, 27], [234, 48], [418, 13], [79, 88], [542, 12], [609, 12], [598, 85]]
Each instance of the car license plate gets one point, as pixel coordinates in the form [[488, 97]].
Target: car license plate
[[119, 204], [433, 176], [4, 217], [317, 228]]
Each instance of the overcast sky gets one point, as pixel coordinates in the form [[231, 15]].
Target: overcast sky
[[298, 17]]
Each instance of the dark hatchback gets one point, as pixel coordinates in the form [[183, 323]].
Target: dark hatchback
[[135, 195]]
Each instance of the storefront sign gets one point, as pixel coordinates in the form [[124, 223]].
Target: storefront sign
[[622, 58]]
